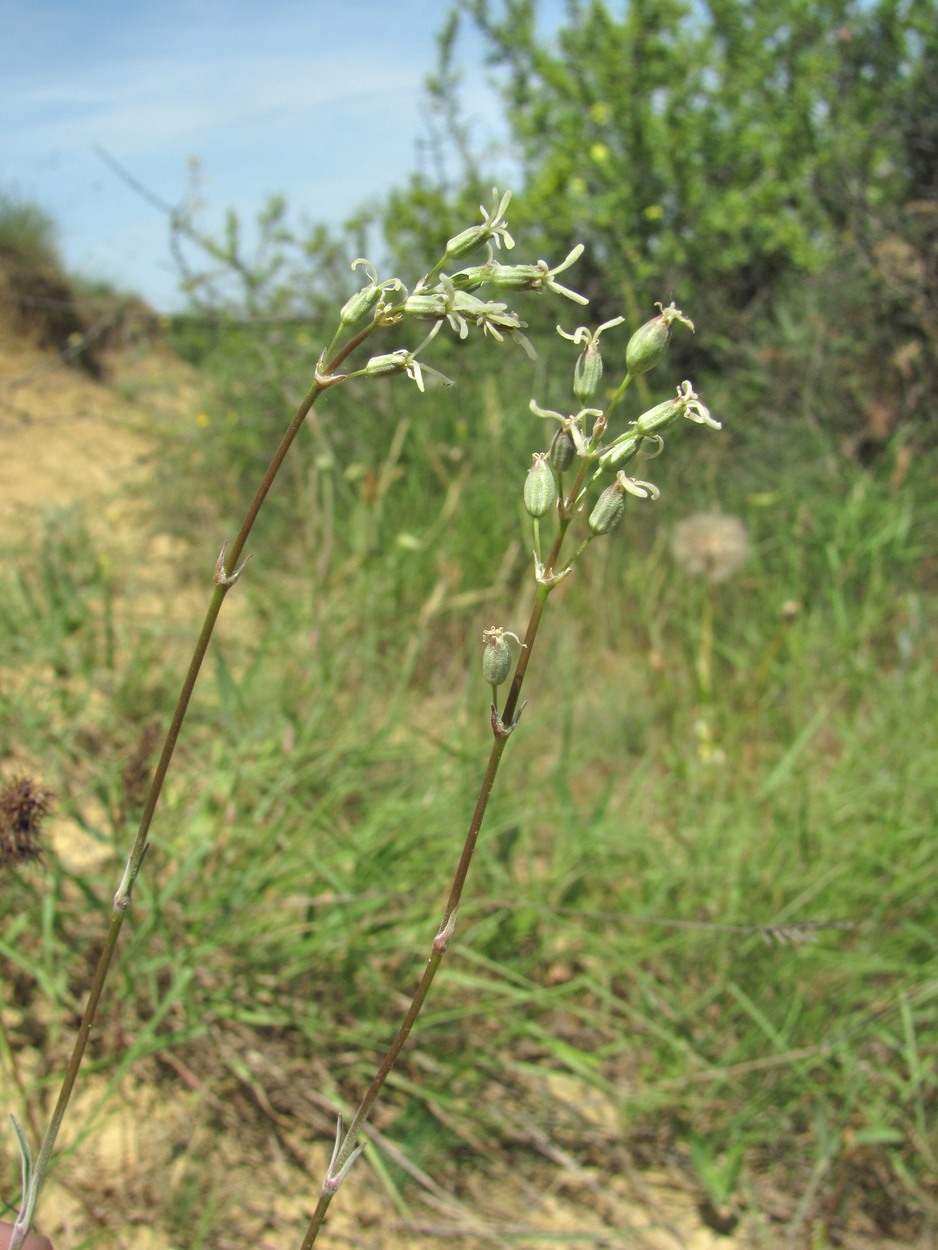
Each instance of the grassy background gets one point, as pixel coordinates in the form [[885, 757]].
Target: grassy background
[[631, 923]]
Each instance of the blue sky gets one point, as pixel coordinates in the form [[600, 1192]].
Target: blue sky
[[317, 99]]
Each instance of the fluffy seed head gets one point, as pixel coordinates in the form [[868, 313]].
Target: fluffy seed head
[[710, 545]]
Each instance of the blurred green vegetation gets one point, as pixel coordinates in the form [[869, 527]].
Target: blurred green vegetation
[[330, 766], [716, 908], [28, 233]]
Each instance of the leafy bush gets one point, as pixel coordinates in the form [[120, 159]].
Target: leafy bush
[[708, 151], [28, 233]]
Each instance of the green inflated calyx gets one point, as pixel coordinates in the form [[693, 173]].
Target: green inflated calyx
[[588, 372], [608, 510], [540, 487], [496, 655], [648, 345], [562, 451]]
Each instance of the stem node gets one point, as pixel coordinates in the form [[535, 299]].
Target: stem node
[[444, 937], [222, 578], [545, 576], [324, 380], [499, 728]]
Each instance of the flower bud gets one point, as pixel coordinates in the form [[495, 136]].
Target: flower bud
[[361, 302], [562, 451], [384, 366], [608, 511], [540, 488]]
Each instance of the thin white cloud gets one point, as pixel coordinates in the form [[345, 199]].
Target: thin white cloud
[[155, 101], [317, 100]]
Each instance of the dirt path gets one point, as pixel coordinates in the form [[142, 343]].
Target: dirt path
[[66, 438]]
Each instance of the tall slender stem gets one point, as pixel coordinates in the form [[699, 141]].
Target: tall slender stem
[[348, 1145], [122, 899]]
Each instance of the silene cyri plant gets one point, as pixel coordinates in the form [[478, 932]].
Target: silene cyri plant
[[575, 492]]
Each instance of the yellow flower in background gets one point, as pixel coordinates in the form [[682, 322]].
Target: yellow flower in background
[[202, 419], [599, 153]]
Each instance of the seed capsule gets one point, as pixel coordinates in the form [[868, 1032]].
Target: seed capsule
[[540, 488], [649, 343], [621, 451], [657, 419], [496, 656], [562, 451], [588, 372], [647, 346], [608, 511]]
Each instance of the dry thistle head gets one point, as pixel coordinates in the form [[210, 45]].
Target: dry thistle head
[[710, 545], [23, 805]]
